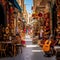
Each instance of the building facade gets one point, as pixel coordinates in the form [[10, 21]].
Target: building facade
[[25, 14], [10, 12], [42, 9], [21, 3]]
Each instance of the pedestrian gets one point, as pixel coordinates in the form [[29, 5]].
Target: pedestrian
[[41, 33]]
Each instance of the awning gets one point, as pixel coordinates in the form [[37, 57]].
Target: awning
[[15, 3]]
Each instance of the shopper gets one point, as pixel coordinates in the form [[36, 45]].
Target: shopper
[[41, 33]]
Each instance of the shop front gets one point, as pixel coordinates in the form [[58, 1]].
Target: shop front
[[9, 40]]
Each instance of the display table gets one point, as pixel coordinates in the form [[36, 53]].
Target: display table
[[10, 47]]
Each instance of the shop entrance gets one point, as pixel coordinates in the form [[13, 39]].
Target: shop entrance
[[54, 19], [2, 16]]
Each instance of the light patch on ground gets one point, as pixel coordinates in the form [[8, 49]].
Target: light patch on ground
[[57, 47], [37, 50], [27, 36], [32, 46], [28, 40]]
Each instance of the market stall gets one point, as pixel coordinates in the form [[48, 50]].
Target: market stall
[[10, 41]]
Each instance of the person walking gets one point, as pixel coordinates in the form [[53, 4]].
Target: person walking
[[41, 33]]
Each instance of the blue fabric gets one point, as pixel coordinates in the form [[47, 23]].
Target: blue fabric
[[15, 3]]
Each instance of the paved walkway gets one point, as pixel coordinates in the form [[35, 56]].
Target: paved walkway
[[30, 52]]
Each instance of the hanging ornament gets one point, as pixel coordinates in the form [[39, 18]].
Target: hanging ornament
[[40, 14]]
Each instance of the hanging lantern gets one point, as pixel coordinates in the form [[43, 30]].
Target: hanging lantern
[[40, 14]]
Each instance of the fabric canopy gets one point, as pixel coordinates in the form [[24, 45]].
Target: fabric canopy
[[15, 3]]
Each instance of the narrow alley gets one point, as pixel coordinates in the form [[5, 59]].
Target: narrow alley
[[29, 29]]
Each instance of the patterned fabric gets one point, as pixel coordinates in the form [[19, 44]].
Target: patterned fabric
[[47, 25]]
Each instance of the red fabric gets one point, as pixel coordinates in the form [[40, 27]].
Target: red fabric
[[47, 28], [40, 15], [43, 41], [24, 30], [23, 42], [11, 9], [47, 15]]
